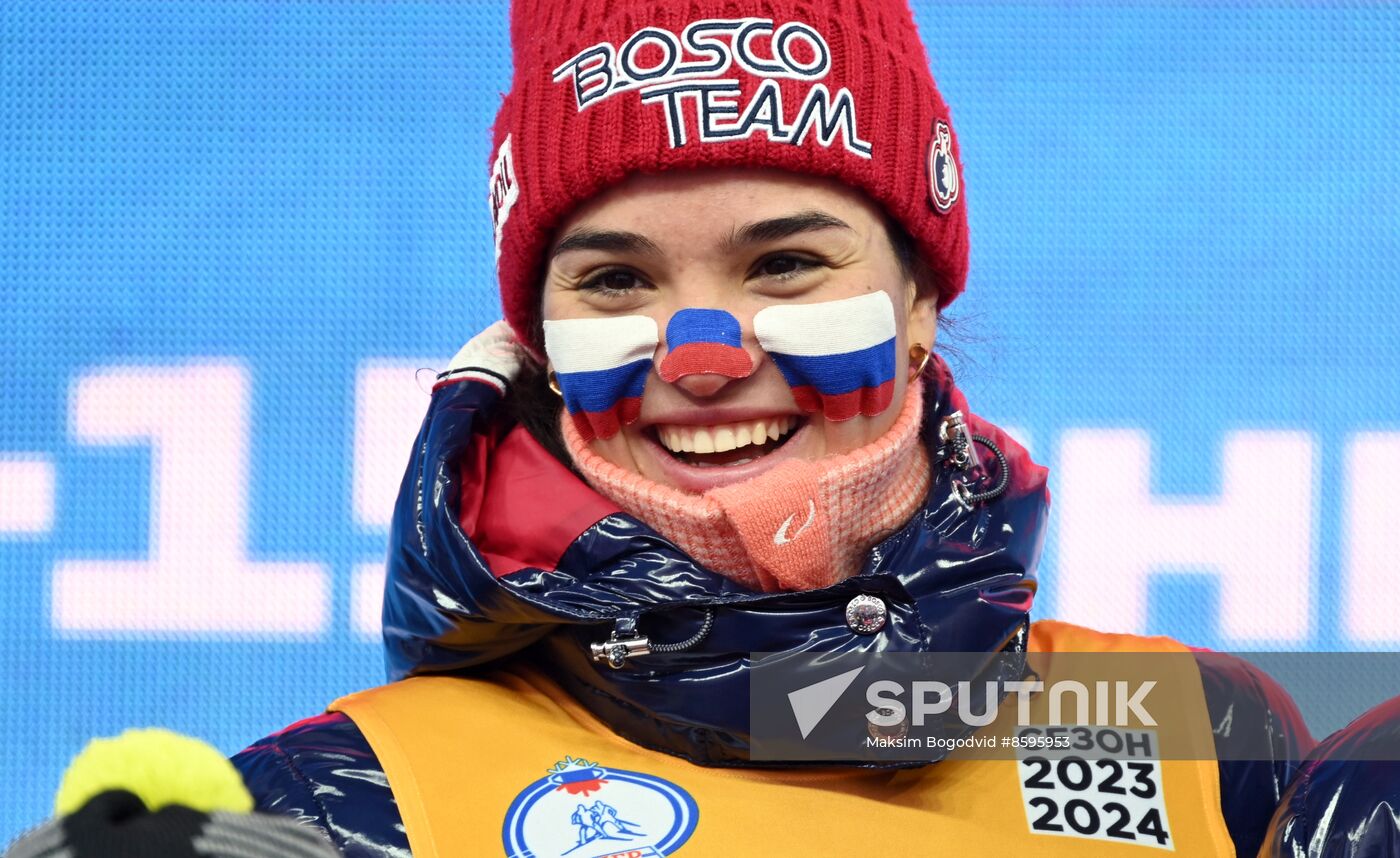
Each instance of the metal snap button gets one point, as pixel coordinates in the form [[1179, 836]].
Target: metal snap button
[[866, 614]]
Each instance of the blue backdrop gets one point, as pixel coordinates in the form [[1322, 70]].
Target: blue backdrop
[[231, 232]]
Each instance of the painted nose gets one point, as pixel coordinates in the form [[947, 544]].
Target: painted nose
[[704, 351]]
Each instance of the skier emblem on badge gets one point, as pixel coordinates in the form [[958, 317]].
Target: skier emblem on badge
[[580, 809], [942, 168], [598, 821]]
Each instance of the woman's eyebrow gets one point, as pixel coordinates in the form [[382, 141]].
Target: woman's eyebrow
[[614, 241], [776, 228]]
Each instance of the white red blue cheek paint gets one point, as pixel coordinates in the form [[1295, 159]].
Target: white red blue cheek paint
[[601, 366], [837, 356], [702, 341]]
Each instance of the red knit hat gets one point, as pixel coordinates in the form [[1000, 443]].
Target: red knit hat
[[607, 88]]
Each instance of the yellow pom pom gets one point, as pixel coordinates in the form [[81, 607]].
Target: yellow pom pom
[[161, 767]]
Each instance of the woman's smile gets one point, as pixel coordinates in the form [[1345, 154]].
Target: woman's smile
[[726, 443], [697, 457]]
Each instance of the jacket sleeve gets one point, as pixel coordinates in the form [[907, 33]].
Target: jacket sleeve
[[1345, 802], [1260, 741], [322, 772]]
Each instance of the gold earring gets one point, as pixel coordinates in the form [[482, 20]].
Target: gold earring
[[920, 355], [554, 383]]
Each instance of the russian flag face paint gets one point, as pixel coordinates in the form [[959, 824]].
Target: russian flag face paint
[[601, 366], [700, 341], [837, 356]]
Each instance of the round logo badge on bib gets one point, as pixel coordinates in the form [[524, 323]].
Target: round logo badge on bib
[[583, 810]]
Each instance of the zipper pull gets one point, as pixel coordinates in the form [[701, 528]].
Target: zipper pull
[[959, 449], [622, 644], [957, 442]]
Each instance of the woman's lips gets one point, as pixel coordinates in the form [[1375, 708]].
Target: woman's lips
[[698, 479]]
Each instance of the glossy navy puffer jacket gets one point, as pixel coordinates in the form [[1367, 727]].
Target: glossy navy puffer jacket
[[500, 552]]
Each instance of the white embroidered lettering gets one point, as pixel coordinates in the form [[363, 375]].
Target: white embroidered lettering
[[682, 72]]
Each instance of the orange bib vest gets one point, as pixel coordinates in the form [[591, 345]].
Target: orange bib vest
[[509, 764]]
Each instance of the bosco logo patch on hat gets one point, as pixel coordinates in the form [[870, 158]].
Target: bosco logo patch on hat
[[839, 89]]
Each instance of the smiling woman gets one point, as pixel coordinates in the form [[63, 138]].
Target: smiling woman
[[760, 424], [711, 429]]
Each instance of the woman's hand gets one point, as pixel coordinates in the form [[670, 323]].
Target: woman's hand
[[494, 353]]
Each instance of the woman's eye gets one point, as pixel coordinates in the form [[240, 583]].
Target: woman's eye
[[615, 281], [784, 266]]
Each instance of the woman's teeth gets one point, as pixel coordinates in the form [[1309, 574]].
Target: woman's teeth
[[723, 437]]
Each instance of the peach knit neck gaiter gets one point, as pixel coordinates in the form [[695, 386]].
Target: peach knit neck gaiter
[[800, 526]]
